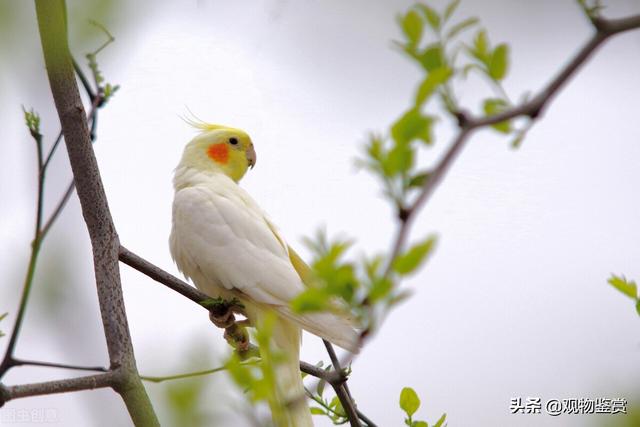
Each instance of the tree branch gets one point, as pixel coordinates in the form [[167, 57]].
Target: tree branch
[[188, 291], [90, 382], [23, 362], [342, 389], [161, 276], [8, 361], [95, 209], [605, 28], [334, 377]]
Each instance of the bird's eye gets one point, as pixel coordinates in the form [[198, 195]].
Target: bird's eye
[[233, 141]]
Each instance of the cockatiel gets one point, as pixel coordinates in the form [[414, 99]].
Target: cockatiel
[[227, 246]]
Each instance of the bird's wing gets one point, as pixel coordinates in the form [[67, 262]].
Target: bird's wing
[[229, 239], [224, 239]]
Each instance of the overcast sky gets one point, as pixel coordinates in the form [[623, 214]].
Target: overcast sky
[[514, 302]]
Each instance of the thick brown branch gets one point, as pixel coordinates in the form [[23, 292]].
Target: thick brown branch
[[615, 26], [86, 177], [188, 291], [332, 377], [95, 209], [90, 382], [161, 276]]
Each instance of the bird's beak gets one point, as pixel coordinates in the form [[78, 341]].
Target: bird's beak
[[251, 156]]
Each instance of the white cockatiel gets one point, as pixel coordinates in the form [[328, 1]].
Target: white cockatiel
[[227, 246]]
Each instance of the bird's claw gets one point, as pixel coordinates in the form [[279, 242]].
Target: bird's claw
[[222, 319]]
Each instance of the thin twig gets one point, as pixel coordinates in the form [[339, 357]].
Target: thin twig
[[366, 419], [40, 233], [59, 207], [253, 361], [347, 405], [23, 362], [341, 389], [92, 118], [53, 149], [336, 365], [110, 38], [8, 361], [83, 79]]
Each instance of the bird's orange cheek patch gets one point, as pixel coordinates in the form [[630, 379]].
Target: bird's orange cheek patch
[[219, 153]]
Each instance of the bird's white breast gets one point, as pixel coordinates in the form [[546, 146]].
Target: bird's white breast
[[222, 240]]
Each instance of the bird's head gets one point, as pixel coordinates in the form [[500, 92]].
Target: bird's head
[[219, 148]]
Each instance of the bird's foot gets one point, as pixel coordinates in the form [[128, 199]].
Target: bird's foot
[[238, 337], [222, 318]]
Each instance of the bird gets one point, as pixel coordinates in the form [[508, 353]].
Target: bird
[[229, 248]]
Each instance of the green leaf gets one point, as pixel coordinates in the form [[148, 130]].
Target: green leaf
[[627, 287], [2, 316], [412, 125], [409, 401], [372, 266], [494, 106], [419, 424], [517, 141], [411, 260], [441, 421], [418, 180], [432, 16], [311, 299], [32, 120], [480, 49], [451, 8], [638, 306], [433, 80], [336, 405], [399, 297], [461, 26], [317, 411], [320, 387], [109, 91], [499, 62], [399, 159], [380, 288], [432, 57], [241, 374], [412, 26]]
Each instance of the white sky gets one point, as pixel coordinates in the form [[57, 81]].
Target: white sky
[[513, 303]]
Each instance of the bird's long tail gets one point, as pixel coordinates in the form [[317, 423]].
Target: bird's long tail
[[289, 406]]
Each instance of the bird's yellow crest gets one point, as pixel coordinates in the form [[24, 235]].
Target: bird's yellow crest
[[197, 123], [219, 147]]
